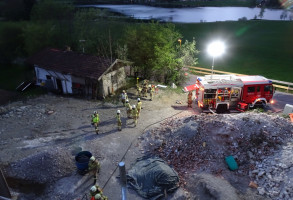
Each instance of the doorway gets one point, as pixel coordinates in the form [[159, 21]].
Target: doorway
[[59, 85]]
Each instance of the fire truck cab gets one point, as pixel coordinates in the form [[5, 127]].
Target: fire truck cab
[[224, 92], [257, 90]]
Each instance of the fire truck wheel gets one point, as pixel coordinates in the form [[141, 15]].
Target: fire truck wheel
[[260, 104]]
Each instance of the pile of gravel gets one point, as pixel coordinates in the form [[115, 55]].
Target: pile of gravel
[[43, 167], [274, 174]]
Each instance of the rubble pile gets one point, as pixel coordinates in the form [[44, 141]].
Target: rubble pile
[[43, 167], [274, 174], [36, 111], [201, 143]]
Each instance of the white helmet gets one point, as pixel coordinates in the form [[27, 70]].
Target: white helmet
[[138, 99], [133, 107], [92, 158], [127, 100], [98, 196], [95, 112], [93, 189], [118, 111]]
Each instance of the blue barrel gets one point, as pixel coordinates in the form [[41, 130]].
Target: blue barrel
[[82, 160]]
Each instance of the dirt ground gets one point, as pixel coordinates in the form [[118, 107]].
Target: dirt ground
[[40, 138]]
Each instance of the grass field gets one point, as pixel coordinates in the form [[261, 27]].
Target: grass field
[[253, 47]]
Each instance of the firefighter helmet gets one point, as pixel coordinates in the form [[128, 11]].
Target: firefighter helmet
[[118, 111], [93, 188], [133, 107], [138, 99], [92, 158], [127, 101], [98, 196]]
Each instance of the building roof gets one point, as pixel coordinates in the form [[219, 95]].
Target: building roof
[[69, 62]]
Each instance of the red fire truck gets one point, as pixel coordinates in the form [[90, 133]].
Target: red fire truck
[[224, 92]]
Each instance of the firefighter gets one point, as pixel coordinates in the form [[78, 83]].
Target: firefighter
[[143, 91], [138, 91], [134, 115], [156, 90], [145, 88], [96, 121], [152, 90], [123, 97], [189, 99], [119, 123], [95, 190], [94, 167], [128, 108], [138, 107]]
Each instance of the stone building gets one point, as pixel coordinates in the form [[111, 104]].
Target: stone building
[[70, 72]]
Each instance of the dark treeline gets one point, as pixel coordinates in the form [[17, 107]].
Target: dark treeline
[[152, 46]]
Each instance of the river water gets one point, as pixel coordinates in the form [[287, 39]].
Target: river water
[[199, 14]]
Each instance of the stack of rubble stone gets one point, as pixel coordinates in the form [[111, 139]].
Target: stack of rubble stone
[[201, 143]]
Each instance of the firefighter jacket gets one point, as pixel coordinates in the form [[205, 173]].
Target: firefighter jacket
[[134, 112], [190, 97], [124, 96], [128, 106], [94, 165], [95, 118], [118, 119], [138, 106]]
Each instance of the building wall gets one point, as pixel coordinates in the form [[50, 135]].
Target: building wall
[[43, 79], [112, 81]]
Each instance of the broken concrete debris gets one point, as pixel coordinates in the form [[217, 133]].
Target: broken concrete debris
[[261, 144]]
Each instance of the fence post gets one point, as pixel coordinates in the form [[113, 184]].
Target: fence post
[[123, 180]]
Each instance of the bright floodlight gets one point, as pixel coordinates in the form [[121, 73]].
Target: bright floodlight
[[216, 48]]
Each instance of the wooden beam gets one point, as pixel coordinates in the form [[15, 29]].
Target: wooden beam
[[4, 190]]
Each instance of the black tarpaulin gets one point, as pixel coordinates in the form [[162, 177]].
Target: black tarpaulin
[[150, 176]]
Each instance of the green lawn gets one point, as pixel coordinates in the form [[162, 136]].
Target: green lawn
[[253, 47]]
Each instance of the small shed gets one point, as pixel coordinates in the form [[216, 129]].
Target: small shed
[[70, 72]]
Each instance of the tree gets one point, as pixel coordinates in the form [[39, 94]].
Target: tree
[[187, 53], [13, 9], [52, 10], [16, 9], [46, 34], [151, 47], [122, 52], [97, 34], [11, 41]]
